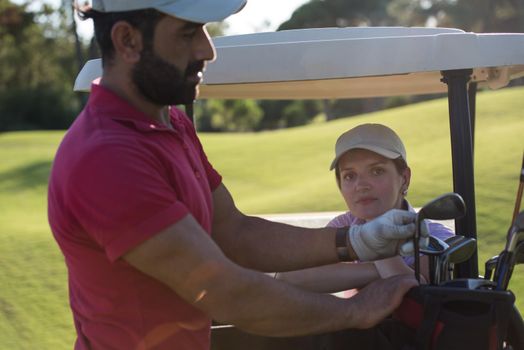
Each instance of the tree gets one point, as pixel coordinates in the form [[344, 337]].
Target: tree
[[342, 13], [37, 69], [228, 115], [481, 16], [339, 13]]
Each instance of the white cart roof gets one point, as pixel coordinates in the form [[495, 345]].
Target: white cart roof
[[350, 62]]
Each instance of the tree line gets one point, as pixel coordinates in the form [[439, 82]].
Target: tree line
[[41, 53]]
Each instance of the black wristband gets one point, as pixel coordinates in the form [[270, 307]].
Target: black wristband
[[341, 243]]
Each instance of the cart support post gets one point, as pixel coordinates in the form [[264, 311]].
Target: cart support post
[[472, 96], [462, 158]]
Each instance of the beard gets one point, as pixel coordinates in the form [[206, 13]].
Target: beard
[[163, 83]]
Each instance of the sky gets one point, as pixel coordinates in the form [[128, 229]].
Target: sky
[[256, 16], [256, 13]]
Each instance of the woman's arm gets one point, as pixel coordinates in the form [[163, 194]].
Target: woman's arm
[[331, 278], [343, 276]]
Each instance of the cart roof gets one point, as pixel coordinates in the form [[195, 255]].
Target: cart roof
[[350, 62]]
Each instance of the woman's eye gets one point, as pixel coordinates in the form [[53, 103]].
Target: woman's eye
[[348, 176], [377, 171]]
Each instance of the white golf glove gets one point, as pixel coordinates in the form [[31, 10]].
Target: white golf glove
[[407, 248], [381, 237]]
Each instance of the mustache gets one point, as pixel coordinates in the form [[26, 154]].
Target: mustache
[[195, 67]]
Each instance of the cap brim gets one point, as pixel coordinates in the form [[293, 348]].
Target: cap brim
[[91, 71], [383, 152], [202, 11]]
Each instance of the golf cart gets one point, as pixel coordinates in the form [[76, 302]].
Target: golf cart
[[335, 63]]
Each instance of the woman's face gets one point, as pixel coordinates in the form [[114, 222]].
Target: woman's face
[[370, 183]]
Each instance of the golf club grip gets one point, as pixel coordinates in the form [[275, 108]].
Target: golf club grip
[[518, 200]]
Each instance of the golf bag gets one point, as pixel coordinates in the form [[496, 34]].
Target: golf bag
[[456, 318]]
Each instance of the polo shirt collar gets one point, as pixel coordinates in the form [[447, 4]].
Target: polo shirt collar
[[107, 104]]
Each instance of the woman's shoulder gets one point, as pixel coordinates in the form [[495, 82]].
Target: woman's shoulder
[[343, 220]]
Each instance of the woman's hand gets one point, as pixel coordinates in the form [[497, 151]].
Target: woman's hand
[[394, 266]]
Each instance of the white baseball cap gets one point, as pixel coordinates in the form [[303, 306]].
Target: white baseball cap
[[377, 138], [198, 11]]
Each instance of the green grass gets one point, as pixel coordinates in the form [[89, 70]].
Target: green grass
[[268, 172]]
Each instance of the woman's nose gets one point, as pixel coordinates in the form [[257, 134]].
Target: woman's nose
[[362, 184]]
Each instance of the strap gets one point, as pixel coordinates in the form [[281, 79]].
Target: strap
[[342, 244], [500, 322], [432, 305]]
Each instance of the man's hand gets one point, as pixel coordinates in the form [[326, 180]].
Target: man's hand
[[379, 299], [381, 237]]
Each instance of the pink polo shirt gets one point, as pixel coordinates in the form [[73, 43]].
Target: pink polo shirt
[[118, 179]]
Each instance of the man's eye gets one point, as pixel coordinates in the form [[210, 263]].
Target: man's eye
[[189, 34]]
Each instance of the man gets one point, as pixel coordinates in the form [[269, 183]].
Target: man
[[153, 242]]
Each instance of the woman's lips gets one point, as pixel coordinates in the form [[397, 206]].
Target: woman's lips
[[365, 200]]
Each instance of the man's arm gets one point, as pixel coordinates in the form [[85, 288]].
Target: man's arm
[[265, 245], [269, 246], [185, 258]]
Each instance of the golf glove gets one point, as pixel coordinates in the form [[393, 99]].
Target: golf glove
[[381, 237], [406, 249]]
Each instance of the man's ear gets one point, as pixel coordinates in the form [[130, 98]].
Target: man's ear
[[127, 41]]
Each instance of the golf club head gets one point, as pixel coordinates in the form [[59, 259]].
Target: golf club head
[[460, 251], [435, 246], [454, 239], [445, 207], [489, 266], [434, 249]]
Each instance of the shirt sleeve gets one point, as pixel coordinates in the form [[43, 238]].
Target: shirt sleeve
[[341, 220], [120, 196]]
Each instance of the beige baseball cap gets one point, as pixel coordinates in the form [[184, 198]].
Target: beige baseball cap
[[377, 138], [198, 11]]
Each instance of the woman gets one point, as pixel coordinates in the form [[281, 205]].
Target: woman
[[373, 177]]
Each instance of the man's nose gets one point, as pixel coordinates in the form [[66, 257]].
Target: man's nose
[[204, 48]]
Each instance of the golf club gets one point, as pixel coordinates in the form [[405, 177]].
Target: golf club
[[460, 251], [513, 258], [518, 200], [490, 266], [444, 207], [506, 260], [519, 253], [435, 248], [454, 239]]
